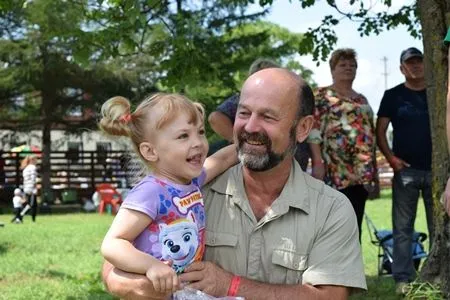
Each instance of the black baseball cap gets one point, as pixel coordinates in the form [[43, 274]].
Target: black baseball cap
[[409, 53]]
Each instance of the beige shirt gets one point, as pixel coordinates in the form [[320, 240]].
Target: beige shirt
[[309, 235]]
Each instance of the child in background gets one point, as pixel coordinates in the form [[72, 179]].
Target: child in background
[[159, 229], [18, 201]]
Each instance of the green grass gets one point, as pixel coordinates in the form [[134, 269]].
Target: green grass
[[58, 256]]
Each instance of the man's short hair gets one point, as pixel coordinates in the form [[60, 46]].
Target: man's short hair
[[306, 101], [260, 64], [344, 53]]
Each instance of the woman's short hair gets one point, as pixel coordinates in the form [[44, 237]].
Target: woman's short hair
[[344, 53]]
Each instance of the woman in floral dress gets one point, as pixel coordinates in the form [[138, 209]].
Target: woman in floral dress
[[342, 140]]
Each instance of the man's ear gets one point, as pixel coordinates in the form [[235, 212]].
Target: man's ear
[[403, 70], [304, 127], [148, 152]]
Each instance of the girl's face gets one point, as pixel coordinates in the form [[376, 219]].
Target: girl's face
[[180, 149]]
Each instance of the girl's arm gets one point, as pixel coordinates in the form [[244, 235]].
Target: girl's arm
[[117, 247], [220, 161]]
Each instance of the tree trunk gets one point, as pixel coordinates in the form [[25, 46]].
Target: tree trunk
[[434, 18], [48, 94], [45, 163]]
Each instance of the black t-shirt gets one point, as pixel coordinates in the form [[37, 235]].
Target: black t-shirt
[[408, 111]]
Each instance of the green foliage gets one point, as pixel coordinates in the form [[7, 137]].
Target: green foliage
[[424, 290], [321, 40]]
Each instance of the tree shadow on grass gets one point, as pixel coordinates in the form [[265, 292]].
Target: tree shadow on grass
[[378, 288], [3, 249]]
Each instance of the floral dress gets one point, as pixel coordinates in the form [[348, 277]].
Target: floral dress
[[345, 131]]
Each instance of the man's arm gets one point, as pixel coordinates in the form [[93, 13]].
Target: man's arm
[[221, 124], [381, 129], [317, 163], [129, 285], [215, 281]]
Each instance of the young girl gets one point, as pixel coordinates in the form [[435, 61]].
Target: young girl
[[159, 229], [29, 175]]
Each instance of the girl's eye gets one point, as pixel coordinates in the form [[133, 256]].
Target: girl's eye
[[183, 136], [201, 132]]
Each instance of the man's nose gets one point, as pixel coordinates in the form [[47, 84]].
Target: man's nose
[[253, 124]]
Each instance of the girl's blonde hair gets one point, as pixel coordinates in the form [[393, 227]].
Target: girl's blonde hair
[[27, 160], [118, 120]]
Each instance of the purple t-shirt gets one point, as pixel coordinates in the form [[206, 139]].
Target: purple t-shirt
[[177, 230]]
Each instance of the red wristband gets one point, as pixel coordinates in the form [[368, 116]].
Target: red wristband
[[234, 286]]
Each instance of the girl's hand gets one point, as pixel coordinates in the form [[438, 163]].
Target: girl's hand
[[163, 277]]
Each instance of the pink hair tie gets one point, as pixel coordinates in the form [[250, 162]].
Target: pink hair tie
[[125, 118]]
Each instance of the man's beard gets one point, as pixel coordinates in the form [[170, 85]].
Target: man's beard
[[260, 161]]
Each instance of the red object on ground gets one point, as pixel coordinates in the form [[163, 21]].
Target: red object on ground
[[108, 196]]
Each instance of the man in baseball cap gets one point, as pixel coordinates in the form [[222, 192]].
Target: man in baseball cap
[[405, 107], [410, 53]]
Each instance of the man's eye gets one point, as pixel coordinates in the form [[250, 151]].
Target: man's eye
[[244, 113]]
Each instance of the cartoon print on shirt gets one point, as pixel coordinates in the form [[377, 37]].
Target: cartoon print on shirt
[[179, 240]]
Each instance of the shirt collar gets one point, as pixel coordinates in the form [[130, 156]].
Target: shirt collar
[[294, 193]]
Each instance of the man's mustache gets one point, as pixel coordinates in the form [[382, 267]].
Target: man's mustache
[[258, 137]]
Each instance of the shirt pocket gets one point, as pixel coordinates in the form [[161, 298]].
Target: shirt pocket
[[287, 266], [221, 248]]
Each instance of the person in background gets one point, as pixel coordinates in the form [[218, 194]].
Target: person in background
[[18, 202], [159, 229], [222, 119], [343, 137], [405, 107], [273, 231], [29, 175]]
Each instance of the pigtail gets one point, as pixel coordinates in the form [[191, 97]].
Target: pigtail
[[116, 117]]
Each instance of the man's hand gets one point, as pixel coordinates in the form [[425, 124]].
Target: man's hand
[[447, 197], [397, 163], [207, 277], [129, 285]]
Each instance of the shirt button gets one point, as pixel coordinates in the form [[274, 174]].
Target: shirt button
[[213, 241], [296, 265]]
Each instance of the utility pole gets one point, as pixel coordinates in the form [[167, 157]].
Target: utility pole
[[385, 73]]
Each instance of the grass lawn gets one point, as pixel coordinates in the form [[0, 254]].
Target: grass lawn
[[58, 256]]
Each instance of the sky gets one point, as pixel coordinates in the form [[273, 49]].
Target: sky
[[369, 80]]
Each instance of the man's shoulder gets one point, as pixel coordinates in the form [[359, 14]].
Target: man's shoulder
[[398, 89], [321, 192], [221, 183]]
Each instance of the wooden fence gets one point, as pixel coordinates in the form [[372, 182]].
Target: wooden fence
[[73, 175]]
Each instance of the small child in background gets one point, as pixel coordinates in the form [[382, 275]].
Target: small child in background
[[160, 227], [18, 202]]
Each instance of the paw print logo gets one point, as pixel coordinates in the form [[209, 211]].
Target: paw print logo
[[165, 204], [153, 227], [169, 218], [199, 213], [160, 182], [173, 191]]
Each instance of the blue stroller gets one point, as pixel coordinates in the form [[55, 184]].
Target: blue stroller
[[385, 242]]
